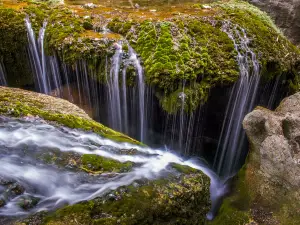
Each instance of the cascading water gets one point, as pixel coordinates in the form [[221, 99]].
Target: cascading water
[[37, 56], [118, 110], [24, 141], [3, 81], [241, 101], [141, 89], [43, 57], [115, 116], [124, 99]]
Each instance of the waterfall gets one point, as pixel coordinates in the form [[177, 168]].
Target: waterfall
[[241, 101], [57, 84], [37, 56], [118, 111], [125, 107], [3, 81], [114, 90], [141, 89]]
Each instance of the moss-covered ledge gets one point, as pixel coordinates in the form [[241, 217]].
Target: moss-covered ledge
[[182, 199], [181, 44], [17, 103]]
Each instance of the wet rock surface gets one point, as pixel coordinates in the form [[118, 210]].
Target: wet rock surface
[[286, 14]]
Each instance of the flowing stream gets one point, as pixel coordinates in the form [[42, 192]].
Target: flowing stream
[[23, 141]]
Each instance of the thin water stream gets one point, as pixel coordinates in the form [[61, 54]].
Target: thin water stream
[[3, 81]]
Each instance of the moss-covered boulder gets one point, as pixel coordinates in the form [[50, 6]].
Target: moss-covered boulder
[[173, 200], [182, 44], [98, 164], [19, 103]]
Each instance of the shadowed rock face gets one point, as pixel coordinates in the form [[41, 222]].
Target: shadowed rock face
[[286, 14]]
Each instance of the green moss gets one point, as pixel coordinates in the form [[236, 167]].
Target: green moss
[[13, 41], [195, 50], [100, 164], [275, 53], [185, 48], [235, 209], [183, 169], [289, 213], [165, 201], [87, 25]]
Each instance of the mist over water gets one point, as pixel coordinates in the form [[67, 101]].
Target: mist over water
[[23, 140]]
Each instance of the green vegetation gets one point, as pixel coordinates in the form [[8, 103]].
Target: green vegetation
[[13, 40], [235, 209], [195, 50], [183, 169], [95, 163], [175, 49], [166, 201]]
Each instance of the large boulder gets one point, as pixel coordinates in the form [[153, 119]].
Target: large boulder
[[286, 14], [21, 103], [273, 168]]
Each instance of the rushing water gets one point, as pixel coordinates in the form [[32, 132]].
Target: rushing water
[[23, 140], [241, 101]]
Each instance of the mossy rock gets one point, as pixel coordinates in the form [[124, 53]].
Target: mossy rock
[[193, 49], [172, 200], [235, 208], [97, 164], [187, 46], [20, 103]]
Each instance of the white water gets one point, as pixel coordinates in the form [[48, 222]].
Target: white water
[[114, 90], [240, 103], [3, 81], [124, 94], [22, 140], [141, 88], [118, 97], [37, 56]]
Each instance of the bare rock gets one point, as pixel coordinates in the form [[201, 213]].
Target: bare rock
[[286, 14], [274, 160]]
